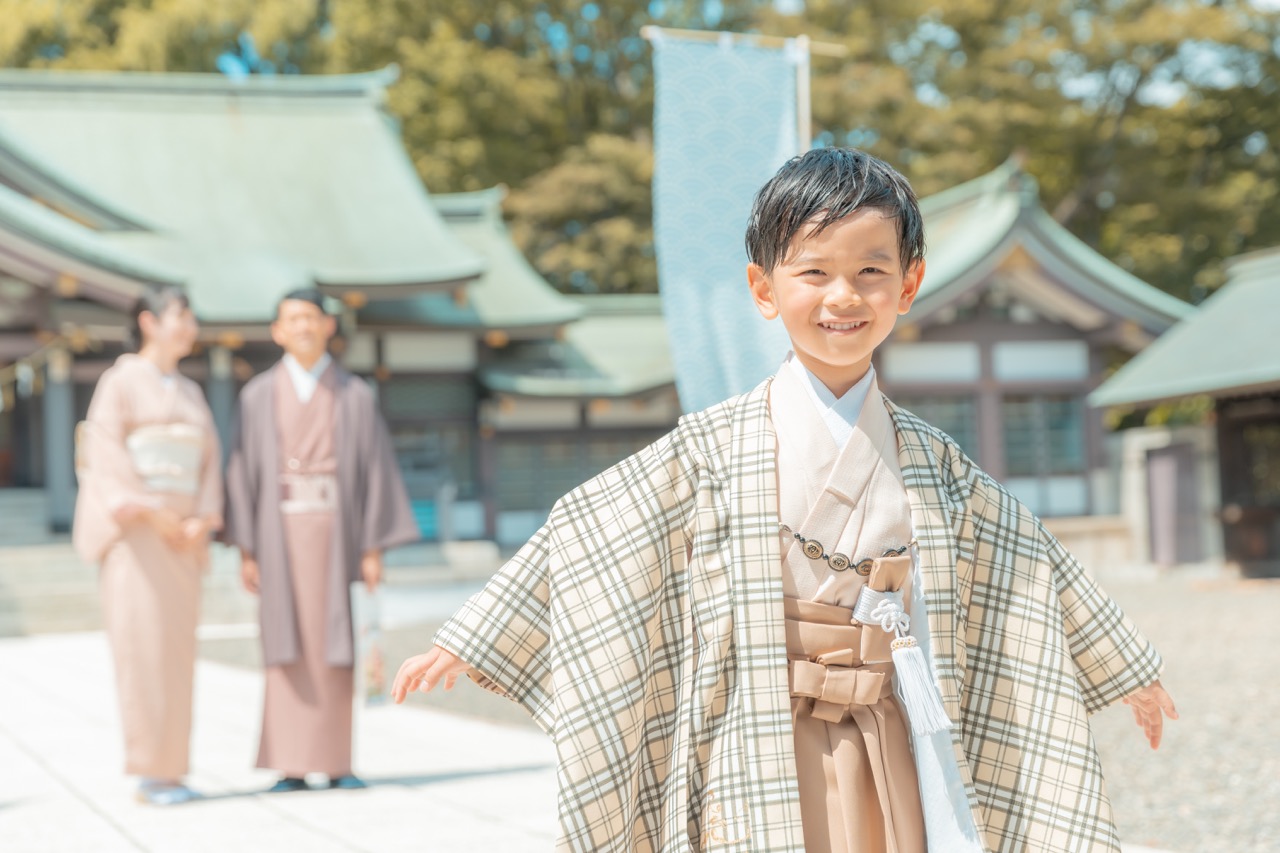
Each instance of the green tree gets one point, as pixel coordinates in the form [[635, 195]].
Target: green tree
[[1145, 122], [585, 222], [151, 35]]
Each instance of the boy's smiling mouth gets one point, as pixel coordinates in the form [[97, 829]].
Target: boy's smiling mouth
[[842, 327]]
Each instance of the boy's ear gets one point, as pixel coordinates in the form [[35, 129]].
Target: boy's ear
[[761, 291], [911, 286]]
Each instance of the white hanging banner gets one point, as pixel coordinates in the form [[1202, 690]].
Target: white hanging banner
[[725, 119]]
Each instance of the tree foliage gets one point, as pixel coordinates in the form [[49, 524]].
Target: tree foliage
[[1150, 124]]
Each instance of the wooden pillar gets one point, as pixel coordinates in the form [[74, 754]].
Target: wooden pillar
[[59, 440], [487, 476], [222, 392], [990, 416]]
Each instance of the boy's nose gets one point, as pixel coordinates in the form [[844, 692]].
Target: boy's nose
[[842, 292]]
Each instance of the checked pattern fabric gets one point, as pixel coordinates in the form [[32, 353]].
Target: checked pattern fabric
[[643, 629]]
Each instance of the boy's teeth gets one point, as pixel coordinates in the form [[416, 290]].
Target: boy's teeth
[[841, 327]]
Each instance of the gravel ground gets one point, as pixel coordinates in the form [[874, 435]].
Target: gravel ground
[[1214, 784]]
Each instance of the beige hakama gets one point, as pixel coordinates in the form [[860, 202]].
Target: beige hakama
[[148, 440], [857, 779], [307, 711]]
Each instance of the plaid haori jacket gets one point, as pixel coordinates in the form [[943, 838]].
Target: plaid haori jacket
[[642, 628]]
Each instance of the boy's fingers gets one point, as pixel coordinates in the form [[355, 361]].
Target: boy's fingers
[[403, 674]]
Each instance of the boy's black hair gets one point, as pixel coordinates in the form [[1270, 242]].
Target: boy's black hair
[[822, 187], [303, 294]]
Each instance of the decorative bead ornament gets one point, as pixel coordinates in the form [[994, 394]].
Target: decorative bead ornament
[[814, 550]]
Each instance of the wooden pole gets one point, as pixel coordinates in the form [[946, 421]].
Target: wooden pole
[[804, 110], [821, 48]]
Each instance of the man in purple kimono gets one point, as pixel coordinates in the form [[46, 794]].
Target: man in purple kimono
[[313, 499]]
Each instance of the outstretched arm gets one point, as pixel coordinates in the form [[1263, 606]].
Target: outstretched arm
[[1150, 706], [425, 671]]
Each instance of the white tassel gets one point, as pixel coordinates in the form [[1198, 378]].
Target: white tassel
[[915, 686], [916, 689]]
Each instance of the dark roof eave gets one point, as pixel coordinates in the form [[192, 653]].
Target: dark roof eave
[[393, 290], [26, 171], [1102, 398], [517, 331], [504, 382], [290, 85]]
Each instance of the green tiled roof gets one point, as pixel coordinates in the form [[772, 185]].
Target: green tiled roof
[[1229, 346], [249, 187], [40, 235], [24, 170], [969, 227], [509, 295], [619, 349]]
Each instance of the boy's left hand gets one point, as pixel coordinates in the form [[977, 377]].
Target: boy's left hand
[[1149, 704]]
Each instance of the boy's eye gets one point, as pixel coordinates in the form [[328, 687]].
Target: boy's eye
[[875, 270], [811, 272]]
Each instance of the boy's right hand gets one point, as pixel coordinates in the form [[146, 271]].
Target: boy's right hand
[[423, 672]]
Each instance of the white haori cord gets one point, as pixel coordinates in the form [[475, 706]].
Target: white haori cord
[[914, 684]]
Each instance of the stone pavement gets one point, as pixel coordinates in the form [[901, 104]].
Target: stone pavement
[[438, 782]]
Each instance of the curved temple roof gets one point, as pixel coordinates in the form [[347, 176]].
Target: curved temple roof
[[510, 295], [247, 187], [972, 227], [45, 245], [1228, 347], [619, 349]]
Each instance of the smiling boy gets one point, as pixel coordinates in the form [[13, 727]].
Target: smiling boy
[[804, 619]]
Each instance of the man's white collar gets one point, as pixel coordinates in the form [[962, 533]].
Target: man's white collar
[[304, 380]]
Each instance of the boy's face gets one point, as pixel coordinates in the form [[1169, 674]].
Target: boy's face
[[839, 294]]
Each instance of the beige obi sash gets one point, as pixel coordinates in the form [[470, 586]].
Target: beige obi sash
[[823, 668], [834, 660], [167, 457]]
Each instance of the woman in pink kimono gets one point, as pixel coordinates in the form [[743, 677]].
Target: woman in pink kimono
[[148, 463]]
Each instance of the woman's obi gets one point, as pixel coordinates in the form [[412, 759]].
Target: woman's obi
[[167, 457]]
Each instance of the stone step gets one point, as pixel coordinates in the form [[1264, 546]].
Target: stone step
[[46, 588], [45, 608]]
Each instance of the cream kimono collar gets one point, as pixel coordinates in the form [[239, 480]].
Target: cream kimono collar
[[826, 487]]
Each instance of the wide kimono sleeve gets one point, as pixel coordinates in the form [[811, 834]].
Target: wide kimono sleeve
[[210, 496], [107, 480], [240, 509], [503, 630], [388, 519], [1111, 658], [582, 623]]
